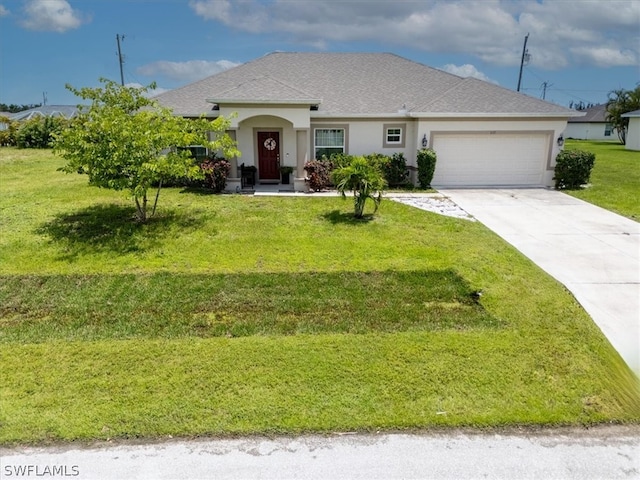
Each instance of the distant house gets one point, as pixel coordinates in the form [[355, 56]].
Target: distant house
[[62, 111], [633, 132], [292, 107], [591, 126]]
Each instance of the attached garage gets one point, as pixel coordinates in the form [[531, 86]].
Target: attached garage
[[491, 158]]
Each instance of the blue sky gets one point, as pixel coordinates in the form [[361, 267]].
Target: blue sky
[[582, 49]]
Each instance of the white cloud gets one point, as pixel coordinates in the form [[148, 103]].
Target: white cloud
[[561, 32], [3, 11], [185, 71], [466, 70], [605, 57], [51, 16]]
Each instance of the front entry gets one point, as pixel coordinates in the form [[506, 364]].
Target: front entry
[[269, 155]]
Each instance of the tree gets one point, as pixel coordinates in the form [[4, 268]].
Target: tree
[[620, 102], [364, 179], [126, 141], [13, 108]]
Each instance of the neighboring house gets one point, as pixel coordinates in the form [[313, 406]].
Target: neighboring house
[[287, 108], [4, 116], [63, 111], [633, 131], [592, 126]]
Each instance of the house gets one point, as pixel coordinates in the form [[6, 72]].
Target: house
[[633, 131], [61, 111], [287, 108], [592, 126]]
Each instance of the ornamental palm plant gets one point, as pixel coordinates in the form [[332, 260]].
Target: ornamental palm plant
[[364, 179]]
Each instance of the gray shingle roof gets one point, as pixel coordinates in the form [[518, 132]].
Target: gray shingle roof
[[355, 84], [595, 114], [634, 114]]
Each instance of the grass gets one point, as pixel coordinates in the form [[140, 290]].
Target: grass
[[615, 178], [239, 315]]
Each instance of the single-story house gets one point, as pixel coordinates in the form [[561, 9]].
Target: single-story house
[[592, 126], [43, 111], [633, 131], [287, 108], [61, 111]]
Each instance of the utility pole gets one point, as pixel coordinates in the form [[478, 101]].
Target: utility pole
[[545, 85], [44, 98], [120, 59], [525, 55]]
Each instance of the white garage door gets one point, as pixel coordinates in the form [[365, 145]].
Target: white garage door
[[486, 158]]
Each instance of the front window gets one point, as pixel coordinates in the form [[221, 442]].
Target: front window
[[394, 135], [607, 130], [328, 141], [198, 152]]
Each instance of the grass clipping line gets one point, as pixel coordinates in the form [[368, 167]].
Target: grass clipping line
[[91, 307]]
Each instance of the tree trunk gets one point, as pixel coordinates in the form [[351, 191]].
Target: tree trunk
[[141, 209], [155, 204]]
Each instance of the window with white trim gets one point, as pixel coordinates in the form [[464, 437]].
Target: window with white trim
[[328, 141], [608, 128], [394, 135]]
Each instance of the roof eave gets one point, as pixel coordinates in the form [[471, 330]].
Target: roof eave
[[443, 115], [494, 114]]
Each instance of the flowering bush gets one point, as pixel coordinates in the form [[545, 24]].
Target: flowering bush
[[319, 174], [216, 171]]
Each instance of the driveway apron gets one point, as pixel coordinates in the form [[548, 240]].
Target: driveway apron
[[593, 252]]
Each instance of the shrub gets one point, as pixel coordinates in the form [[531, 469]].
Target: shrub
[[39, 132], [426, 166], [8, 135], [573, 168], [339, 160], [216, 171], [319, 173], [395, 170]]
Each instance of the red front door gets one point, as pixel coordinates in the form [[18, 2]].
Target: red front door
[[269, 155]]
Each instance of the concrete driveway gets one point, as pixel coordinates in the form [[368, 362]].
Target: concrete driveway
[[593, 252]]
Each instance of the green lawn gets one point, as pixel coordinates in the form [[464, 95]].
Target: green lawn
[[615, 178], [236, 314]]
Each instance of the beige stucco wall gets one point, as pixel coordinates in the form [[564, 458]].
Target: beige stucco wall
[[365, 136]]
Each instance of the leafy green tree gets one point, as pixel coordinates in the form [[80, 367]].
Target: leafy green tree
[[364, 179], [126, 141], [622, 101]]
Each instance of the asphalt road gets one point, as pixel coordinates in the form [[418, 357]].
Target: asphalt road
[[598, 453]]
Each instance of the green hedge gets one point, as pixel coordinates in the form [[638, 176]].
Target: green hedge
[[426, 166], [573, 168]]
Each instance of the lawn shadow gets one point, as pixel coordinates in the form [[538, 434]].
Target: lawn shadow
[[113, 228], [336, 217]]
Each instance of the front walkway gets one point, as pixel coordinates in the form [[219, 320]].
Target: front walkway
[[593, 252]]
